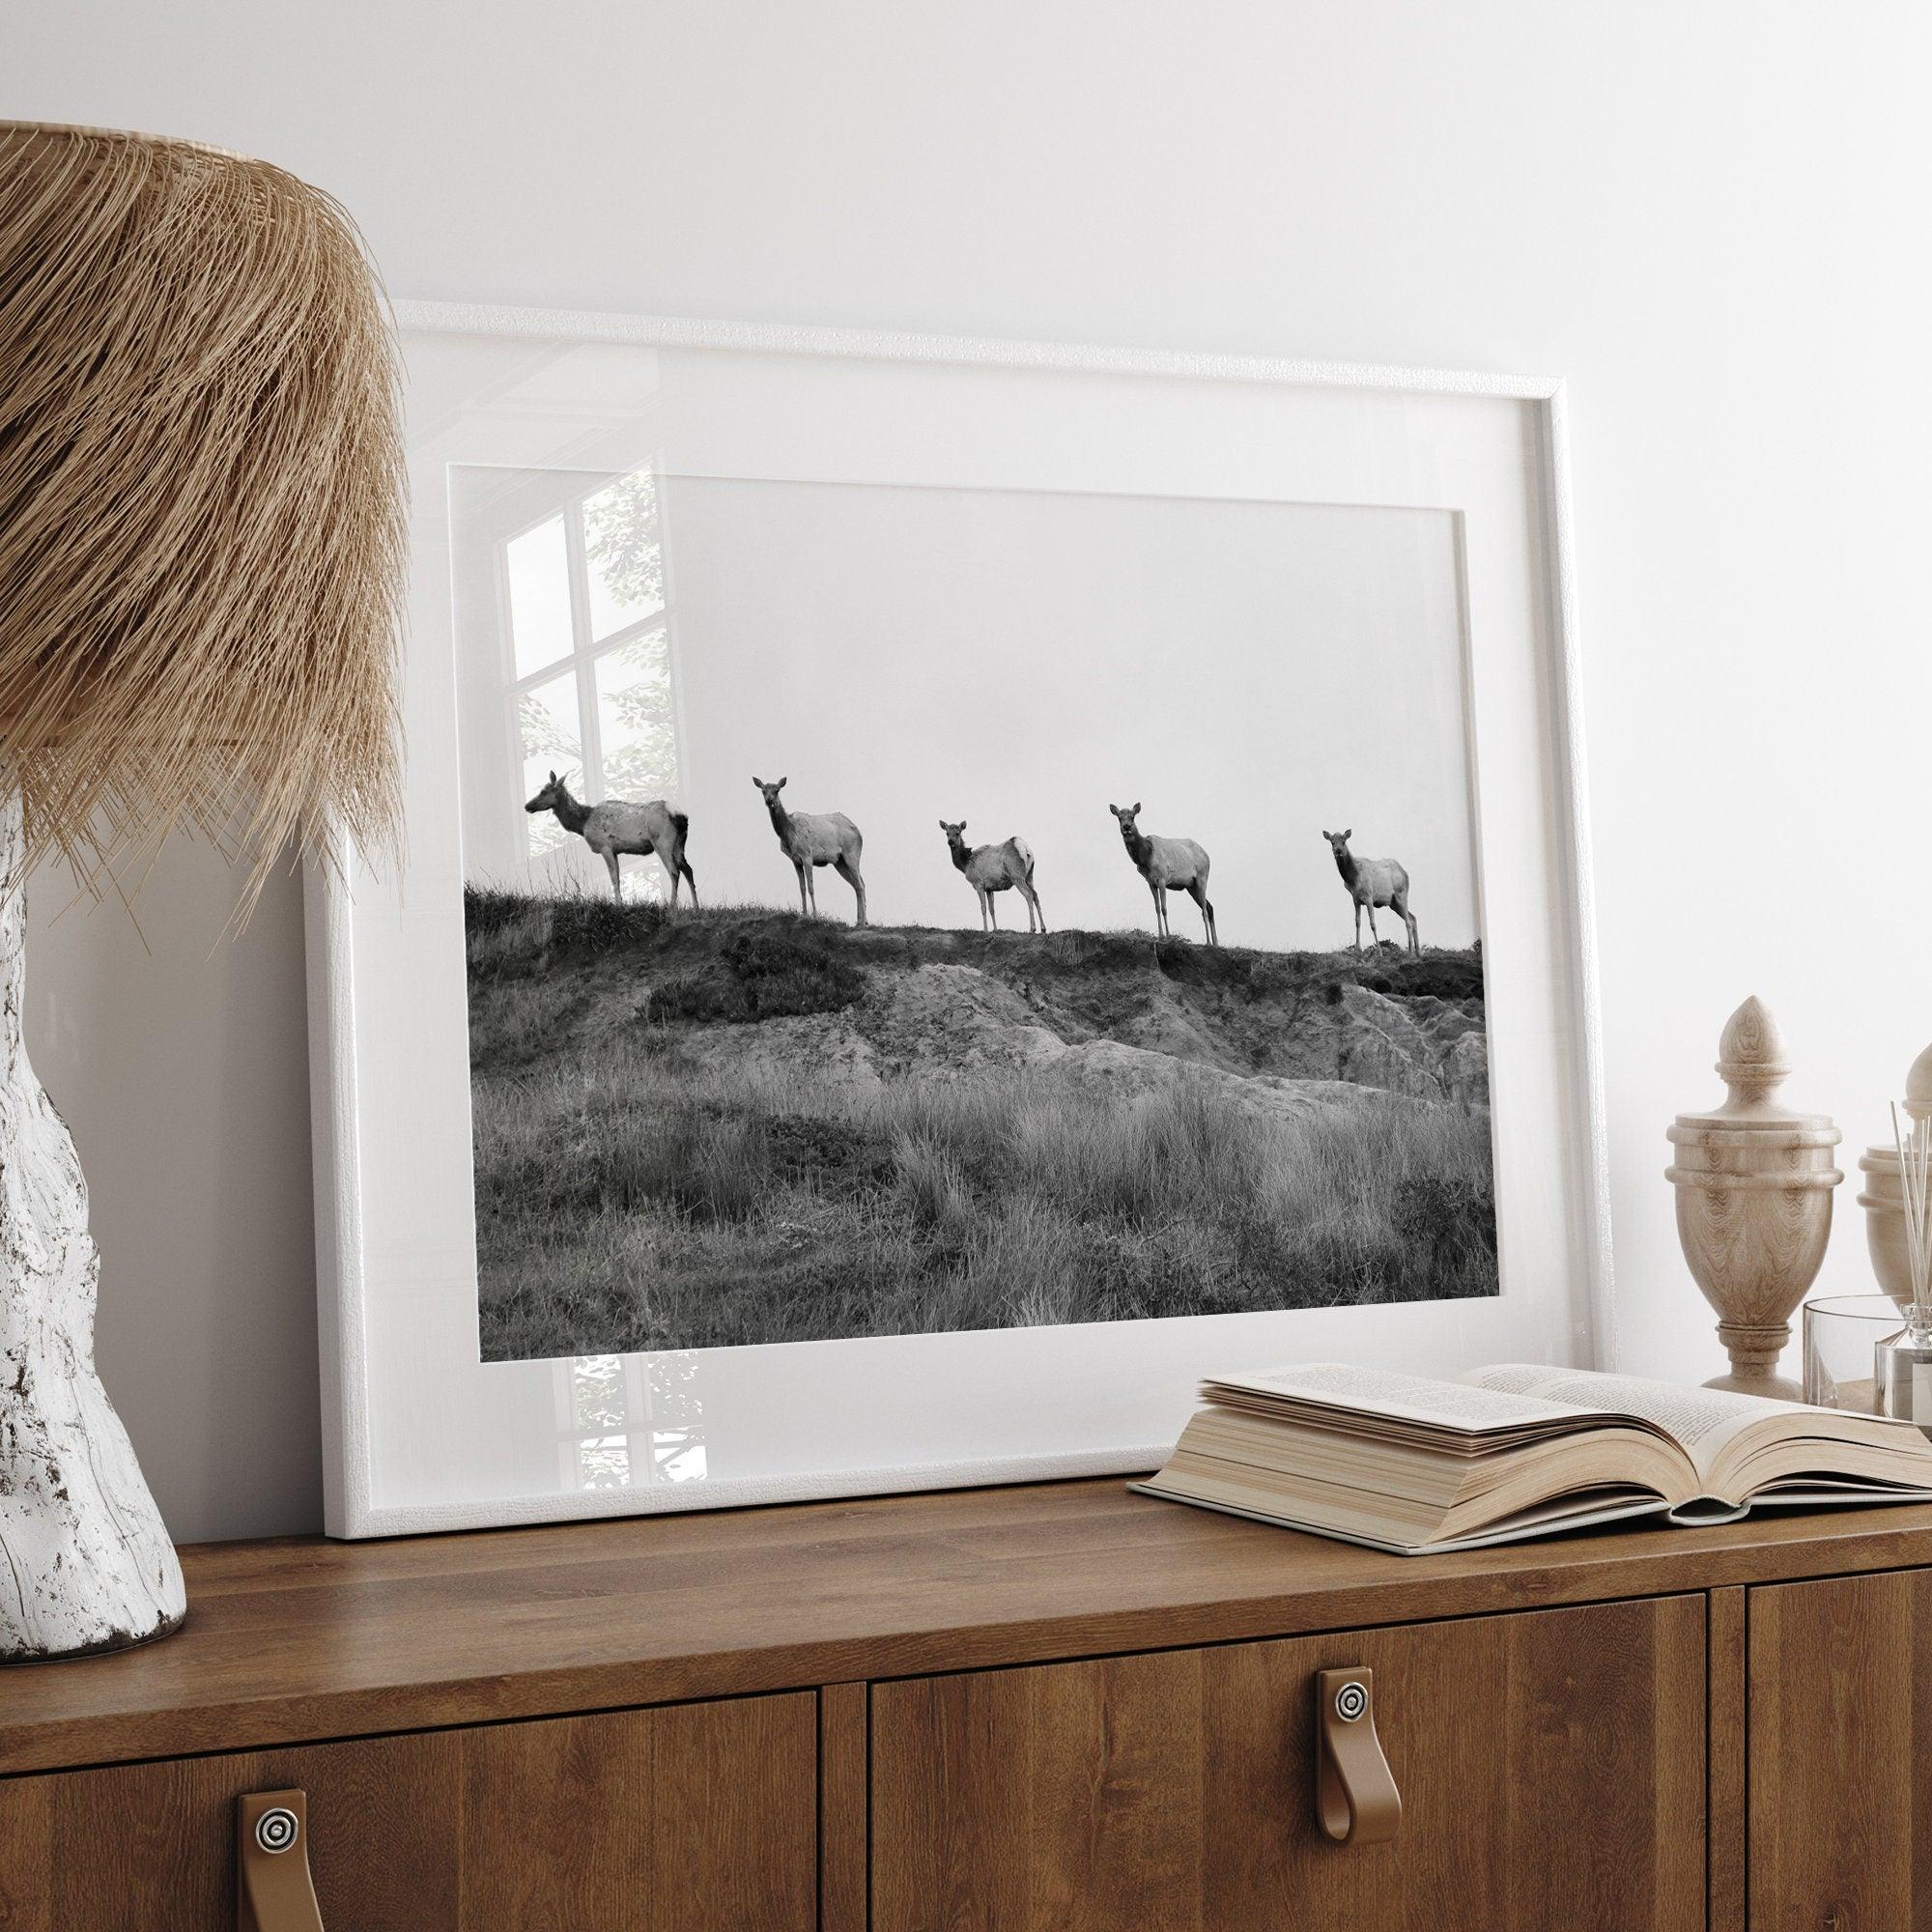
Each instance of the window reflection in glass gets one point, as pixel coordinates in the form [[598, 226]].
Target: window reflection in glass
[[676, 1413], [623, 554], [548, 740], [589, 678], [650, 1402], [634, 722], [539, 573], [600, 1408]]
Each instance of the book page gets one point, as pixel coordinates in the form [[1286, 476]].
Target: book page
[[1579, 1512], [1703, 1421], [1462, 1406]]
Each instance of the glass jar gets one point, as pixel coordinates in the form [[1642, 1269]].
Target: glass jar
[[1841, 1335]]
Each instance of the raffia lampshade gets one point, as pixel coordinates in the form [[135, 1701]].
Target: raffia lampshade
[[201, 562], [201, 502]]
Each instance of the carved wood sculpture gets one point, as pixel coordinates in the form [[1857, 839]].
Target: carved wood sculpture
[[1883, 1198], [1753, 1183]]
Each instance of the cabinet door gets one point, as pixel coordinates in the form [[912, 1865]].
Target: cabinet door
[[1839, 1726], [691, 1818], [1551, 1766]]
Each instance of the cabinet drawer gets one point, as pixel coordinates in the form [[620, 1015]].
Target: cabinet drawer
[[689, 1818], [1550, 1765], [1840, 1722]]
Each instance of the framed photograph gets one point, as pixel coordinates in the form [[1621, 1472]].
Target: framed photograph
[[953, 887]]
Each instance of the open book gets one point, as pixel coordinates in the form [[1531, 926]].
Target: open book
[[1414, 1465]]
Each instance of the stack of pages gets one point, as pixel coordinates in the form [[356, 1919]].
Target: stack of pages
[[1406, 1464]]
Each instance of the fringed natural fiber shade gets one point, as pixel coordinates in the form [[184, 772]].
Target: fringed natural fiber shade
[[201, 504]]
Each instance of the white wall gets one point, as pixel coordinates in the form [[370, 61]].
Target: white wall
[[1709, 218]]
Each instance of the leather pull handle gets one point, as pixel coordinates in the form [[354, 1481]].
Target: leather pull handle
[[274, 1891], [1355, 1799]]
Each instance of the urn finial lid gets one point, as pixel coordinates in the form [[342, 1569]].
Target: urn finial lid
[[1918, 1086], [1751, 1061], [1753, 1064]]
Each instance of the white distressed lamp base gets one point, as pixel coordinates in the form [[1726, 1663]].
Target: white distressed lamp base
[[85, 1560]]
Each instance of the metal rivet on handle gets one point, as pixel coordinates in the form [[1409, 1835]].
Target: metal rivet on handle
[[276, 1829], [1352, 1701]]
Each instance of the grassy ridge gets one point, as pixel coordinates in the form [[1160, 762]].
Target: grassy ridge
[[635, 1193]]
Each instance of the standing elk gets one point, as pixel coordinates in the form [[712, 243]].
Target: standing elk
[[1372, 883], [1164, 864], [994, 868], [813, 839], [615, 827]]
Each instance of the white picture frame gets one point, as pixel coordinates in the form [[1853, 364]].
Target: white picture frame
[[421, 1435]]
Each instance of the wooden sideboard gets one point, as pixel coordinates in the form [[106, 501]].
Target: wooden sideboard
[[1009, 1710]]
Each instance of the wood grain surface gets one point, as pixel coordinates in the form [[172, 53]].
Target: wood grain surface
[[695, 1818], [301, 1641], [844, 1802], [1550, 1765], [1728, 1782], [1840, 1712]]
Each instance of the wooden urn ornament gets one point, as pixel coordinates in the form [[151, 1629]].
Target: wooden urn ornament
[[1884, 1195], [1753, 1183]]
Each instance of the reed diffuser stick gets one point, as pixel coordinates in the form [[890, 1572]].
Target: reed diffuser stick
[[1913, 1137]]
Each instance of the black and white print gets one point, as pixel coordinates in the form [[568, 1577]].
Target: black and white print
[[893, 910]]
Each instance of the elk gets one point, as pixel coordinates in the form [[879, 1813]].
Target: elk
[[617, 826], [813, 839], [993, 869], [1164, 864], [1372, 883]]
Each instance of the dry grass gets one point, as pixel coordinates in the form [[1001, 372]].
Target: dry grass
[[201, 503], [641, 1203], [637, 1190]]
